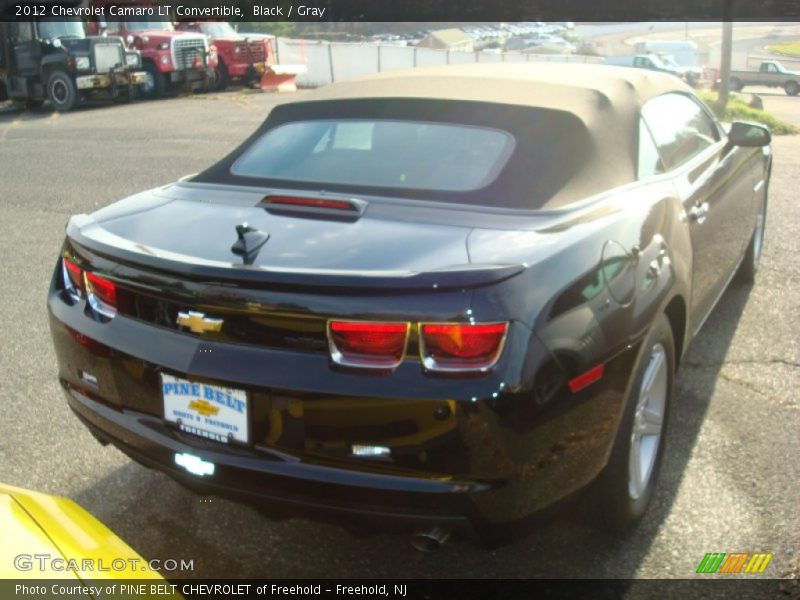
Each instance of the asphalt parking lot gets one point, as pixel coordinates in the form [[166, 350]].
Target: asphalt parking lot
[[729, 482]]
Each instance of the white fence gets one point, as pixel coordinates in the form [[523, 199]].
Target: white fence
[[335, 61]]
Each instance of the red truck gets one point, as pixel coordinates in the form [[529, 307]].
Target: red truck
[[242, 57], [169, 57]]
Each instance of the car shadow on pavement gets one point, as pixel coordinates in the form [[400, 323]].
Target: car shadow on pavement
[[161, 519]]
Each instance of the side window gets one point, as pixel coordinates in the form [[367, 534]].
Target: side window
[[771, 68], [649, 162], [680, 127]]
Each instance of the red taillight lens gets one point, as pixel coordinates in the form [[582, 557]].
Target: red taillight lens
[[102, 294], [369, 345], [461, 346], [73, 278]]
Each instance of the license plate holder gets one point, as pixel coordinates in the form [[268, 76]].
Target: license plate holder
[[208, 411]]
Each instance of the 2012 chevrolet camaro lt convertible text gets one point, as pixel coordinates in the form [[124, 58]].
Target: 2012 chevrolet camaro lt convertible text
[[443, 299]]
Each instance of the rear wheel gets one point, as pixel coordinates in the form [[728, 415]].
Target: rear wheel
[[626, 484], [155, 84], [791, 88], [735, 84], [61, 91], [749, 267]]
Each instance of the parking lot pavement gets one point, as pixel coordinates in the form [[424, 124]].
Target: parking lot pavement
[[729, 481]]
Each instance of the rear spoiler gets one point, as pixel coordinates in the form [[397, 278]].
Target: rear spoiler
[[86, 234]]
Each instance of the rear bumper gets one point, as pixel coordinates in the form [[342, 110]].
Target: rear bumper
[[278, 484]]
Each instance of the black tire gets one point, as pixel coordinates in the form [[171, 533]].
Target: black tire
[[156, 84], [791, 88], [221, 78], [620, 506], [747, 270], [61, 91], [735, 84]]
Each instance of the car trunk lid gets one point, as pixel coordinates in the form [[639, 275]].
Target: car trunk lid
[[245, 238]]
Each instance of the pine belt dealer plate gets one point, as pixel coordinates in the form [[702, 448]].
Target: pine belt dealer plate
[[209, 411]]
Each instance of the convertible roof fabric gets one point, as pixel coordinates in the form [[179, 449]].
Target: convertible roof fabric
[[583, 89], [575, 125]]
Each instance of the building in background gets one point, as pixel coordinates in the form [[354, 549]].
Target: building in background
[[448, 39]]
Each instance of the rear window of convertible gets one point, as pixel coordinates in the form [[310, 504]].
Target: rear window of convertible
[[395, 154]]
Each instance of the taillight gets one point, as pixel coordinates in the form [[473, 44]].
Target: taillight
[[101, 294], [461, 346], [72, 277], [367, 345]]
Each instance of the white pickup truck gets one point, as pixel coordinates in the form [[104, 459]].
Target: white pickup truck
[[771, 73]]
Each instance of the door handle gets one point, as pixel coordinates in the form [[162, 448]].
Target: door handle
[[699, 212]]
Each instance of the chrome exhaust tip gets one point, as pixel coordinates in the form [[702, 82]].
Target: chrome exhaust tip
[[429, 540]]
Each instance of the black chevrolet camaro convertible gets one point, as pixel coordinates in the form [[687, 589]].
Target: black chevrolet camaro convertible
[[442, 299]]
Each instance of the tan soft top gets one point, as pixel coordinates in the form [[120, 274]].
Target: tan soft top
[[575, 125], [577, 88]]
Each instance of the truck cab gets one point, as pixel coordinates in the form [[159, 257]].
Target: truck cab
[[771, 66], [169, 57], [54, 60], [241, 57]]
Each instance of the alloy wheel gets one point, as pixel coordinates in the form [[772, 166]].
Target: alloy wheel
[[758, 234], [648, 422]]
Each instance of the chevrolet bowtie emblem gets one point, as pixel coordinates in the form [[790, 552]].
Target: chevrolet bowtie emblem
[[203, 407], [197, 322]]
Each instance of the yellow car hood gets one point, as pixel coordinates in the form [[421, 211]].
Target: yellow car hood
[[34, 523]]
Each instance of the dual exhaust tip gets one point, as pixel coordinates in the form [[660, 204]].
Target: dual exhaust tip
[[429, 540]]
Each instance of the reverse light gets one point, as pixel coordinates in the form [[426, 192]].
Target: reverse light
[[194, 464], [461, 346], [101, 294], [367, 345], [72, 277]]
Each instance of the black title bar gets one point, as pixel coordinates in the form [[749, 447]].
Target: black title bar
[[429, 10]]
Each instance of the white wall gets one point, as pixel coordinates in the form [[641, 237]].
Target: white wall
[[328, 62]]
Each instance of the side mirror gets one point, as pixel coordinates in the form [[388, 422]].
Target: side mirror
[[748, 134]]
